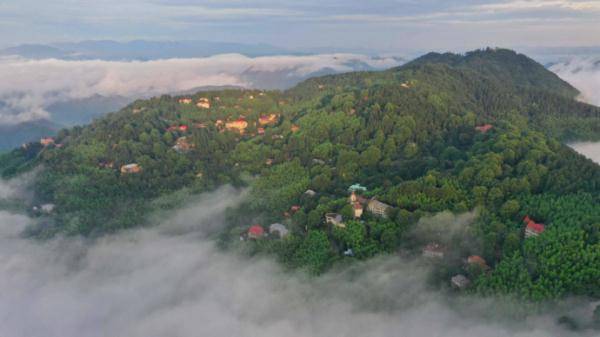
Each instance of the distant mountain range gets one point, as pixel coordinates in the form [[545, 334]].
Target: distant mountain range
[[140, 50]]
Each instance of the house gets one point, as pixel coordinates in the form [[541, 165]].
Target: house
[[182, 145], [47, 208], [106, 164], [405, 85], [269, 162], [318, 161], [199, 125], [378, 208], [261, 131], [130, 168], [238, 125], [460, 282], [476, 260], [279, 229], [532, 228], [203, 103], [484, 128], [185, 100], [335, 219], [349, 252], [295, 128], [268, 119], [256, 232], [354, 198], [434, 250], [47, 141], [357, 209], [310, 193], [294, 209]]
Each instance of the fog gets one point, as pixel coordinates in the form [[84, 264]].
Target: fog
[[588, 149], [28, 87], [171, 280], [584, 74]]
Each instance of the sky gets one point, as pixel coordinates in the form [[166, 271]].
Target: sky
[[382, 25]]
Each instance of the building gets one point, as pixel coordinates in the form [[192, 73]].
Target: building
[[278, 229], [130, 168], [378, 208], [47, 141], [182, 145], [357, 187], [185, 100], [269, 162], [532, 228], [433, 250], [484, 128], [310, 193], [261, 131], [295, 128], [357, 209], [476, 260], [203, 103], [268, 119], [335, 219], [47, 208], [354, 198], [238, 125], [460, 281], [256, 232], [295, 208]]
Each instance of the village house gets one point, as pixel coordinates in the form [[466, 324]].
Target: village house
[[238, 125], [130, 168], [335, 219], [269, 162], [203, 103], [310, 193], [460, 282], [47, 141], [268, 119], [484, 128], [357, 209], [294, 209], [256, 232], [182, 145], [532, 228], [318, 161], [261, 131], [378, 208], [185, 100], [106, 164], [295, 128], [199, 125], [476, 260], [354, 198], [278, 229], [434, 250]]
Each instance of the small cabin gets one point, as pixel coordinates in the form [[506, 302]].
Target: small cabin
[[47, 141], [484, 128], [295, 128], [310, 193], [256, 232], [261, 131], [532, 228], [335, 219], [130, 168], [185, 100], [460, 282], [434, 250], [357, 209], [268, 119], [278, 229], [182, 145], [238, 125], [203, 103], [476, 260]]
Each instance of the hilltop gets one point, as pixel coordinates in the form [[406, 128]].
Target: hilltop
[[472, 134]]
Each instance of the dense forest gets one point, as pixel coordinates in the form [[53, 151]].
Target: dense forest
[[443, 157]]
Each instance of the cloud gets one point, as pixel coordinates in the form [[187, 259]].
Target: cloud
[[588, 149], [584, 74], [171, 280], [29, 86]]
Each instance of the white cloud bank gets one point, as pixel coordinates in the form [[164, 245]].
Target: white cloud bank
[[29, 86], [172, 281], [584, 74]]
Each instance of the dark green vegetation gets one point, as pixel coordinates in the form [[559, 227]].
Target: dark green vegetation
[[407, 134]]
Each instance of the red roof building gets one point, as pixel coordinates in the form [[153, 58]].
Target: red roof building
[[477, 260], [256, 232], [484, 128], [295, 208], [532, 228]]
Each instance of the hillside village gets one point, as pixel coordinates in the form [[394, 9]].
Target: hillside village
[[345, 167]]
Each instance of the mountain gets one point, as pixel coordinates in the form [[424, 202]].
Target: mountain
[[140, 50], [16, 135], [475, 136]]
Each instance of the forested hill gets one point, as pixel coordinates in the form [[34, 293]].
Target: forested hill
[[477, 134]]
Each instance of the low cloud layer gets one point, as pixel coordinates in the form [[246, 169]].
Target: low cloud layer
[[28, 87], [584, 74], [588, 149], [171, 280]]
